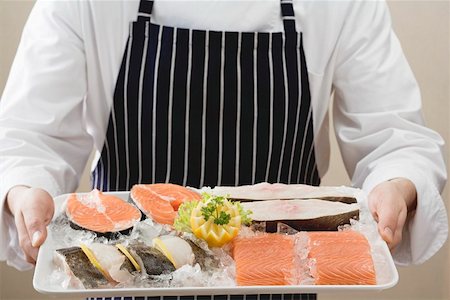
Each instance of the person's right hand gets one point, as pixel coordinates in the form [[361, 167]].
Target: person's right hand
[[33, 210]]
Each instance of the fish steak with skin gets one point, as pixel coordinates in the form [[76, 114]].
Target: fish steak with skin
[[160, 201], [102, 213], [303, 214]]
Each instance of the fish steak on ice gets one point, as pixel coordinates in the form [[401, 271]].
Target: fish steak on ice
[[104, 214]]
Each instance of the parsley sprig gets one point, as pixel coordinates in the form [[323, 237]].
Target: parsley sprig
[[212, 209]]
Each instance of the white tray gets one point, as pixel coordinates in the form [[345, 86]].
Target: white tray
[[45, 267]]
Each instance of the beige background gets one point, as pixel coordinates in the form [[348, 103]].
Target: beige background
[[424, 30]]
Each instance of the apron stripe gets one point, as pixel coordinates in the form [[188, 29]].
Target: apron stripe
[[105, 181], [124, 128], [170, 109], [131, 106], [155, 89], [179, 107], [264, 107], [286, 106], [269, 155], [162, 105], [140, 94], [147, 105], [205, 93], [278, 108], [220, 133], [188, 108], [196, 96], [238, 108], [212, 109], [292, 165], [230, 109], [255, 106], [292, 106], [247, 109]]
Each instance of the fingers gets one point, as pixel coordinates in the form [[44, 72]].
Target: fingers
[[33, 211], [25, 240], [389, 210]]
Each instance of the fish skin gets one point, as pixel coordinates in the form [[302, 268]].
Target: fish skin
[[154, 262], [204, 259], [303, 214], [82, 268], [328, 223]]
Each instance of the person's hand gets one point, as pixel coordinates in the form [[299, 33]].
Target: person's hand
[[389, 203], [33, 210]]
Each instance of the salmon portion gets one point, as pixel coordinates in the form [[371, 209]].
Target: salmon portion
[[101, 213], [342, 258], [160, 201], [266, 259]]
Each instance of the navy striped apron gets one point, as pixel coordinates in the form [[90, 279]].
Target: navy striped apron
[[206, 108], [209, 108]]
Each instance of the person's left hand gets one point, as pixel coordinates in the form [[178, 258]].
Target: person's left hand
[[389, 203]]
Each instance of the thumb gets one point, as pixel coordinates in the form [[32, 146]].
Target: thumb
[[37, 216], [386, 216]]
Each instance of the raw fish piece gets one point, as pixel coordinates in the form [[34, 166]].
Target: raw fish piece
[[341, 258], [161, 201], [266, 259], [113, 261], [280, 191], [203, 258], [152, 261], [101, 213], [177, 250], [80, 270], [302, 215]]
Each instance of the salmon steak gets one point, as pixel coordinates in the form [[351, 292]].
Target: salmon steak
[[341, 258], [160, 201], [266, 259], [101, 213]]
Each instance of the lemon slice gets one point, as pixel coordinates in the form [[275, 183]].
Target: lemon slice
[[159, 244], [214, 234], [95, 262], [128, 255]]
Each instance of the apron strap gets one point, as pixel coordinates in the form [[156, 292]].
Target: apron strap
[[287, 12], [145, 10]]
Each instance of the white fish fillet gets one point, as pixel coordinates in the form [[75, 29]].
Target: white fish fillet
[[111, 260], [267, 191], [273, 210]]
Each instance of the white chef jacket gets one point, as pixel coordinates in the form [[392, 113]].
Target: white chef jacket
[[57, 101]]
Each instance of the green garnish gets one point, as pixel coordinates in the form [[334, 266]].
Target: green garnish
[[245, 219], [183, 220], [212, 209]]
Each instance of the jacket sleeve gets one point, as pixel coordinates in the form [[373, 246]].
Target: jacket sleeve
[[379, 125], [43, 139]]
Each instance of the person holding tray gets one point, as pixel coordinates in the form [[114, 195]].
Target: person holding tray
[[212, 93]]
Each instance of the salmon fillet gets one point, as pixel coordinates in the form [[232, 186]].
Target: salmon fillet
[[101, 213], [342, 258], [266, 259], [160, 201]]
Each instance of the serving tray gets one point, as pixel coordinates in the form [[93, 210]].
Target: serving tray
[[45, 267]]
